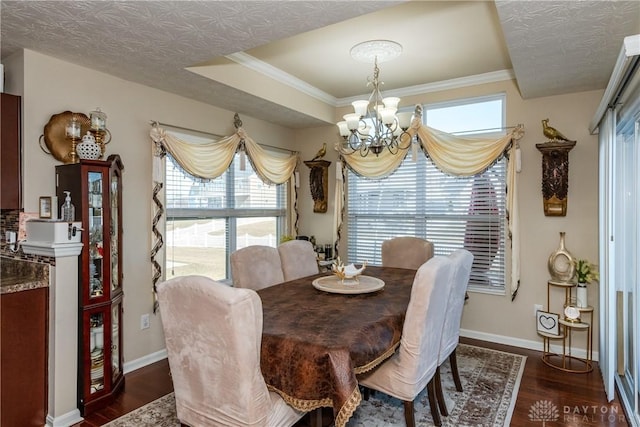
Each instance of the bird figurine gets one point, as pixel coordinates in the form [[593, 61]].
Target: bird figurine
[[551, 132], [320, 154]]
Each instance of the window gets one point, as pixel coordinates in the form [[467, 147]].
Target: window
[[207, 220], [452, 212]]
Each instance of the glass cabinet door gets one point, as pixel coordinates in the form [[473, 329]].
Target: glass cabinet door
[[96, 237], [96, 323], [114, 228], [116, 348]]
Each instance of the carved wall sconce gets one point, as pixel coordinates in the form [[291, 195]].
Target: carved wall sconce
[[555, 176], [318, 180]]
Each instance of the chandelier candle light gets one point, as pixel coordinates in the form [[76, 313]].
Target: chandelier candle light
[[374, 124]]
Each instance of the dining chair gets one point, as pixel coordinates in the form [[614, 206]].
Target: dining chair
[[256, 267], [298, 258], [413, 366], [213, 334], [462, 260], [406, 252]]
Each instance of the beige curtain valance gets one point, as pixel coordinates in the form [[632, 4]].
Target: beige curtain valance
[[454, 155], [210, 160]]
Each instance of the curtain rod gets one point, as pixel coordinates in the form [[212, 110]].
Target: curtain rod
[[152, 122], [488, 129]]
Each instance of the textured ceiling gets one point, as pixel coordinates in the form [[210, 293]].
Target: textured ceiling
[[561, 47], [553, 47]]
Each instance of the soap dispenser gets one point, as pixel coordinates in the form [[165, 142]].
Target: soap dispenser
[[67, 211]]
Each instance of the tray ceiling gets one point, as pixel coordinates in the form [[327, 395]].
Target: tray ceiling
[[275, 60]]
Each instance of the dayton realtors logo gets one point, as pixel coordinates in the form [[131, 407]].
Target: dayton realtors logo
[[546, 412]]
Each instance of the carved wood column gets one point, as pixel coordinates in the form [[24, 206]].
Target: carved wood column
[[555, 176], [319, 182]]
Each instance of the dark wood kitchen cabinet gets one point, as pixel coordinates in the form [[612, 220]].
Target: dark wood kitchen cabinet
[[11, 152], [23, 357]]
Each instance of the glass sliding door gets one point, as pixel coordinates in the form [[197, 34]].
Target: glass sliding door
[[627, 241], [617, 122]]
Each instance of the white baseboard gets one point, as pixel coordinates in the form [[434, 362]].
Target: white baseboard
[[66, 420], [145, 360], [531, 345]]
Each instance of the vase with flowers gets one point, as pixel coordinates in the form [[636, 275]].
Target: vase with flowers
[[586, 273]]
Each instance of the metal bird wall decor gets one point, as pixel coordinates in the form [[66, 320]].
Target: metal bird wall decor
[[552, 133], [320, 154]]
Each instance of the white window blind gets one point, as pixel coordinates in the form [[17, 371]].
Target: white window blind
[[452, 212], [207, 220]]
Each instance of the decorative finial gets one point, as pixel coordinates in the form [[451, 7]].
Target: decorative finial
[[236, 121]]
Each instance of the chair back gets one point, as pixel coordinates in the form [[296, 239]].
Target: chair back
[[406, 252], [298, 259], [417, 356], [256, 267], [213, 334], [462, 260]]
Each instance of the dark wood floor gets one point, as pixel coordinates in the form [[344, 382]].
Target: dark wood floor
[[579, 398]]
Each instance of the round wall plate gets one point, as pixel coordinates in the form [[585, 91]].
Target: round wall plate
[[55, 136]]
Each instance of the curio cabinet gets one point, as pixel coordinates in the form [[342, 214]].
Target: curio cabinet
[[95, 187]]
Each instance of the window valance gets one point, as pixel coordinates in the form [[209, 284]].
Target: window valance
[[210, 160], [454, 155]]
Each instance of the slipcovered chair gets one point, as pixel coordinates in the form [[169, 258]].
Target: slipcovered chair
[[462, 260], [406, 252], [213, 334], [298, 259], [256, 267], [413, 366]]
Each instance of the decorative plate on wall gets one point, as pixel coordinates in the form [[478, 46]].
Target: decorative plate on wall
[[55, 136]]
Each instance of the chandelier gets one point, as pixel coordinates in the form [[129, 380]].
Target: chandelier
[[375, 124]]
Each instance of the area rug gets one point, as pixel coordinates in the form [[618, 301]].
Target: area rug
[[490, 380]]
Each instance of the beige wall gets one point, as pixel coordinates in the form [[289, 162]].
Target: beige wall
[[52, 86], [492, 317]]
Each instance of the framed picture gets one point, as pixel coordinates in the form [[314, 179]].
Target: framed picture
[[45, 207], [547, 322]]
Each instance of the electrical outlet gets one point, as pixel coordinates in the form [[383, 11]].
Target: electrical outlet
[[144, 321], [536, 307]]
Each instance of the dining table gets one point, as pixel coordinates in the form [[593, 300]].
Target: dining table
[[316, 341]]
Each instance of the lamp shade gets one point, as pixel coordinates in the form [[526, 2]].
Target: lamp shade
[[360, 107], [352, 120], [342, 127]]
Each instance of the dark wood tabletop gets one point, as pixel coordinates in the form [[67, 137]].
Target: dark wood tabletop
[[314, 342]]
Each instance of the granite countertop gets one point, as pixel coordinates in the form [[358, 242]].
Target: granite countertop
[[20, 275]]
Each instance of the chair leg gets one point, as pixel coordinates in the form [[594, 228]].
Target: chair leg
[[439, 395], [431, 393], [409, 418], [453, 361]]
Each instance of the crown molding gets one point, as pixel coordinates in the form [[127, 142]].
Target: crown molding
[[281, 76], [304, 87], [495, 76]]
